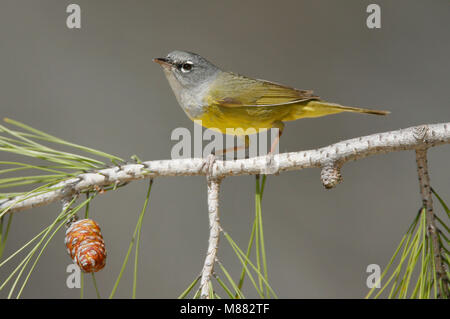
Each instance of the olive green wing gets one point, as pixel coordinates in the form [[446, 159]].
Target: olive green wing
[[232, 90]]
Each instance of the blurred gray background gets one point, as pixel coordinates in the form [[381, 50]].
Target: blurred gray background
[[98, 87]]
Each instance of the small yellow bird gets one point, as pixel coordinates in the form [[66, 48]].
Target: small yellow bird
[[224, 100]]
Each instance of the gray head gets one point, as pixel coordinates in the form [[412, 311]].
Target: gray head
[[188, 69]]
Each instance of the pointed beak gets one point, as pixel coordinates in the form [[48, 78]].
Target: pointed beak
[[162, 61]]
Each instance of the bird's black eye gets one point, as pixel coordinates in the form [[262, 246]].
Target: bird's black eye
[[186, 67]]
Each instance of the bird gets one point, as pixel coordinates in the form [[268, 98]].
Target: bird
[[229, 102]]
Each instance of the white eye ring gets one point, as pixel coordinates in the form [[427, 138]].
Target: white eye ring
[[186, 67]]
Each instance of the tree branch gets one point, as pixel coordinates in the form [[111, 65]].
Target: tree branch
[[214, 231], [427, 199], [329, 158]]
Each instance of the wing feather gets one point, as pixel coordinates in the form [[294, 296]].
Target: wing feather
[[232, 90]]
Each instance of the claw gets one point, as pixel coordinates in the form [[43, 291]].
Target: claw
[[99, 189]]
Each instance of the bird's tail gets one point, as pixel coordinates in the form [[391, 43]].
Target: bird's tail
[[317, 108]]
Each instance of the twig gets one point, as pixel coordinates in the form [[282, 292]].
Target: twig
[[214, 230], [425, 191], [329, 158], [66, 203]]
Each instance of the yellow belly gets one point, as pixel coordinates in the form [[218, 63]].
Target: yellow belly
[[247, 120], [244, 120]]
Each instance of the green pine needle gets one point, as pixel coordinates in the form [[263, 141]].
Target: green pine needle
[[224, 286], [238, 291], [136, 234], [415, 273], [189, 288], [257, 230], [28, 142], [4, 235], [245, 261]]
